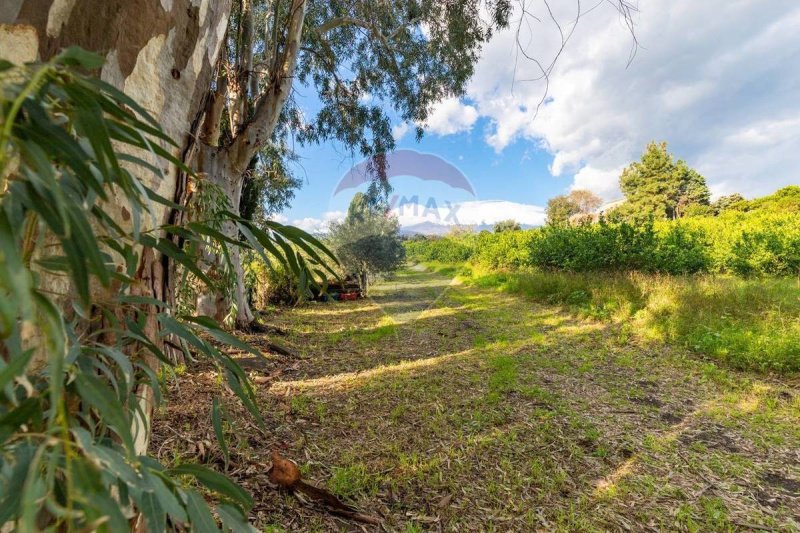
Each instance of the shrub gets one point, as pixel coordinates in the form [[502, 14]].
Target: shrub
[[509, 249], [747, 244], [270, 286], [443, 249]]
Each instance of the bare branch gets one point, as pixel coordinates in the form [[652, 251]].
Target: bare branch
[[625, 8]]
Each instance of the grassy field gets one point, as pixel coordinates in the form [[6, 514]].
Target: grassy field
[[749, 324], [441, 405]]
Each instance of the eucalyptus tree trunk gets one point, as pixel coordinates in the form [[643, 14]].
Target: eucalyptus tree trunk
[[254, 103], [161, 53]]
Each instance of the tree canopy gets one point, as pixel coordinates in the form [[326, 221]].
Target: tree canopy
[[367, 241], [661, 187], [507, 225], [578, 202]]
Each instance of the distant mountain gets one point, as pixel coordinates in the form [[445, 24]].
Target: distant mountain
[[426, 228], [432, 228]]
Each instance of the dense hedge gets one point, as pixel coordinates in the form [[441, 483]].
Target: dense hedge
[[734, 242], [445, 250]]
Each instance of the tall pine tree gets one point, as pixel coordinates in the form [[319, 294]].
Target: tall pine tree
[[661, 187]]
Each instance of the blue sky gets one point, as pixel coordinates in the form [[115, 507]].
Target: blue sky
[[718, 80], [519, 173]]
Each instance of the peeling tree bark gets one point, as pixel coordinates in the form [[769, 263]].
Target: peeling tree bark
[[161, 53]]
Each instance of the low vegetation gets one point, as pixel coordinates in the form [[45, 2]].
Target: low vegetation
[[439, 405], [725, 286], [742, 242], [749, 324]]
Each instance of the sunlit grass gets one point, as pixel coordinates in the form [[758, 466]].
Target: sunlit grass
[[494, 411], [745, 323]]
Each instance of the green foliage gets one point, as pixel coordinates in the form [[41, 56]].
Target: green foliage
[[442, 249], [270, 284], [747, 324], [269, 184], [587, 201], [620, 246], [503, 250], [364, 58], [81, 331], [507, 225], [699, 210], [561, 208], [659, 187], [746, 244], [726, 202], [749, 244], [367, 241], [786, 200]]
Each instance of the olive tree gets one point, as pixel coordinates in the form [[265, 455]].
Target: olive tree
[[367, 241]]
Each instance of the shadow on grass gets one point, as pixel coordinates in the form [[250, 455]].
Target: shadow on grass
[[492, 411]]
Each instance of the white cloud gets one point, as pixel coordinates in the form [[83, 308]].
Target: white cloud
[[319, 225], [280, 218], [451, 116], [716, 79], [603, 182], [399, 131], [471, 213]]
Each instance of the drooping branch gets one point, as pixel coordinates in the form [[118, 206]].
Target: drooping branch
[[337, 22]]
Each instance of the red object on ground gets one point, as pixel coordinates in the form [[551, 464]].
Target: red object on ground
[[348, 296]]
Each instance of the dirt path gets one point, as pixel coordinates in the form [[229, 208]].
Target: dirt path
[[441, 406]]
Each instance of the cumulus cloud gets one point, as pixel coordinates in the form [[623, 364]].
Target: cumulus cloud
[[451, 116], [716, 79], [602, 182], [399, 131], [319, 225]]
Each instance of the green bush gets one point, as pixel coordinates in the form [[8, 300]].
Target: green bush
[[508, 249], [267, 286], [443, 249], [746, 244]]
